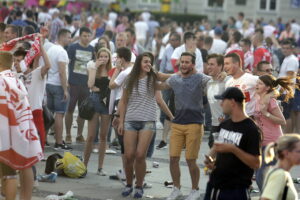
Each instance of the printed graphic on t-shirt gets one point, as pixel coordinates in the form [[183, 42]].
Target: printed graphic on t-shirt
[[230, 137], [246, 93], [82, 58]]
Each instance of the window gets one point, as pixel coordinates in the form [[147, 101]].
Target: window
[[240, 2], [215, 3], [268, 5]]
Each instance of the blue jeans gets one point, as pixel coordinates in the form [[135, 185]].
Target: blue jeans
[[55, 99], [260, 173]]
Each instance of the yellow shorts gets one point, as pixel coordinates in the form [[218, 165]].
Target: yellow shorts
[[189, 135]]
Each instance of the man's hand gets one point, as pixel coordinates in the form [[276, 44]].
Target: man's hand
[[115, 122], [66, 96], [224, 148], [221, 76], [209, 162], [121, 128]]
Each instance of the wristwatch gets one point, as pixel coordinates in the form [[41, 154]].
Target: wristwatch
[[268, 114]]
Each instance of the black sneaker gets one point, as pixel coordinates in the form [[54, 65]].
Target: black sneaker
[[63, 146], [162, 145]]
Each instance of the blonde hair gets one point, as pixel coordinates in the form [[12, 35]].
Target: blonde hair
[[106, 50], [275, 149]]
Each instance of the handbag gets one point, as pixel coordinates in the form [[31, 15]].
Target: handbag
[[285, 190], [48, 118], [86, 109]]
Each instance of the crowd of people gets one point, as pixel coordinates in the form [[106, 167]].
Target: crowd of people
[[237, 80]]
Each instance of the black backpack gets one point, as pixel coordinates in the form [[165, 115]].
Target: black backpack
[[50, 163]]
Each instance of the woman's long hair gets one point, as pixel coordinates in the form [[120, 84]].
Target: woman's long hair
[[285, 142], [286, 84], [133, 77], [108, 65]]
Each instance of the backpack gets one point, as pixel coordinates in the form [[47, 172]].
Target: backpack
[[50, 163]]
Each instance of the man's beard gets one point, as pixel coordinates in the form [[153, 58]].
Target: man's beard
[[187, 71]]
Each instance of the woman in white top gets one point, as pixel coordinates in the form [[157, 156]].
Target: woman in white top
[[278, 183], [137, 109]]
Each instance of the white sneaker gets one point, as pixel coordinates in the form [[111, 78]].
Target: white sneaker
[[95, 150], [175, 194], [110, 151], [194, 195]]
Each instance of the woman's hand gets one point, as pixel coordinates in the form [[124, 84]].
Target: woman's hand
[[98, 63]]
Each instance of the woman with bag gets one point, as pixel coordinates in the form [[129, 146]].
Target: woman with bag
[[98, 82], [268, 115], [137, 109], [278, 184]]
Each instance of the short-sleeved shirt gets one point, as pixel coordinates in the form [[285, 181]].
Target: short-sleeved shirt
[[274, 187], [141, 104], [271, 131], [56, 54], [247, 83], [290, 63], [120, 80], [79, 57], [188, 97], [230, 171]]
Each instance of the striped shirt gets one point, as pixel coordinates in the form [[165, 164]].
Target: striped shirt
[[141, 103]]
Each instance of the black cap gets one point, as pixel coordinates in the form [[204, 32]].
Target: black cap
[[232, 93]]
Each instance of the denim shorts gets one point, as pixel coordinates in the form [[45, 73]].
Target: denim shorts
[[99, 106], [139, 126], [296, 102], [55, 98]]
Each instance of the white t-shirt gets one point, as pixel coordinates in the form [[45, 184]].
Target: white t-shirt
[[215, 87], [199, 62], [112, 17], [141, 29], [56, 54], [247, 83], [269, 30], [289, 63], [120, 81], [36, 86], [218, 46]]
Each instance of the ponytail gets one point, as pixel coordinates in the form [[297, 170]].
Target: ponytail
[[287, 86], [270, 152]]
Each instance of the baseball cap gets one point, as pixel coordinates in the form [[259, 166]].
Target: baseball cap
[[232, 93], [218, 31]]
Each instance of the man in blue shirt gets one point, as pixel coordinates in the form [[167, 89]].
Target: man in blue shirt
[[79, 54]]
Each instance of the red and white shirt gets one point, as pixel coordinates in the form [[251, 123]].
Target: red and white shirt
[[248, 60]]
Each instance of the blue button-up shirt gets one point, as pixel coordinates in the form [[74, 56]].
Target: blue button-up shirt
[[165, 65]]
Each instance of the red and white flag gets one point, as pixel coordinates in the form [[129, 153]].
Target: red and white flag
[[20, 146]]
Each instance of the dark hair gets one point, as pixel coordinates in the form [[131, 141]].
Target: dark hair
[[109, 34], [241, 14], [29, 14], [246, 41], [104, 37], [27, 30], [260, 64], [131, 31], [259, 30], [285, 83], [84, 30], [68, 19], [235, 57], [192, 55], [219, 58], [26, 45], [188, 35], [19, 13], [133, 77], [124, 52], [287, 42], [208, 40], [237, 36], [14, 29], [175, 34], [63, 32], [20, 52], [2, 26]]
